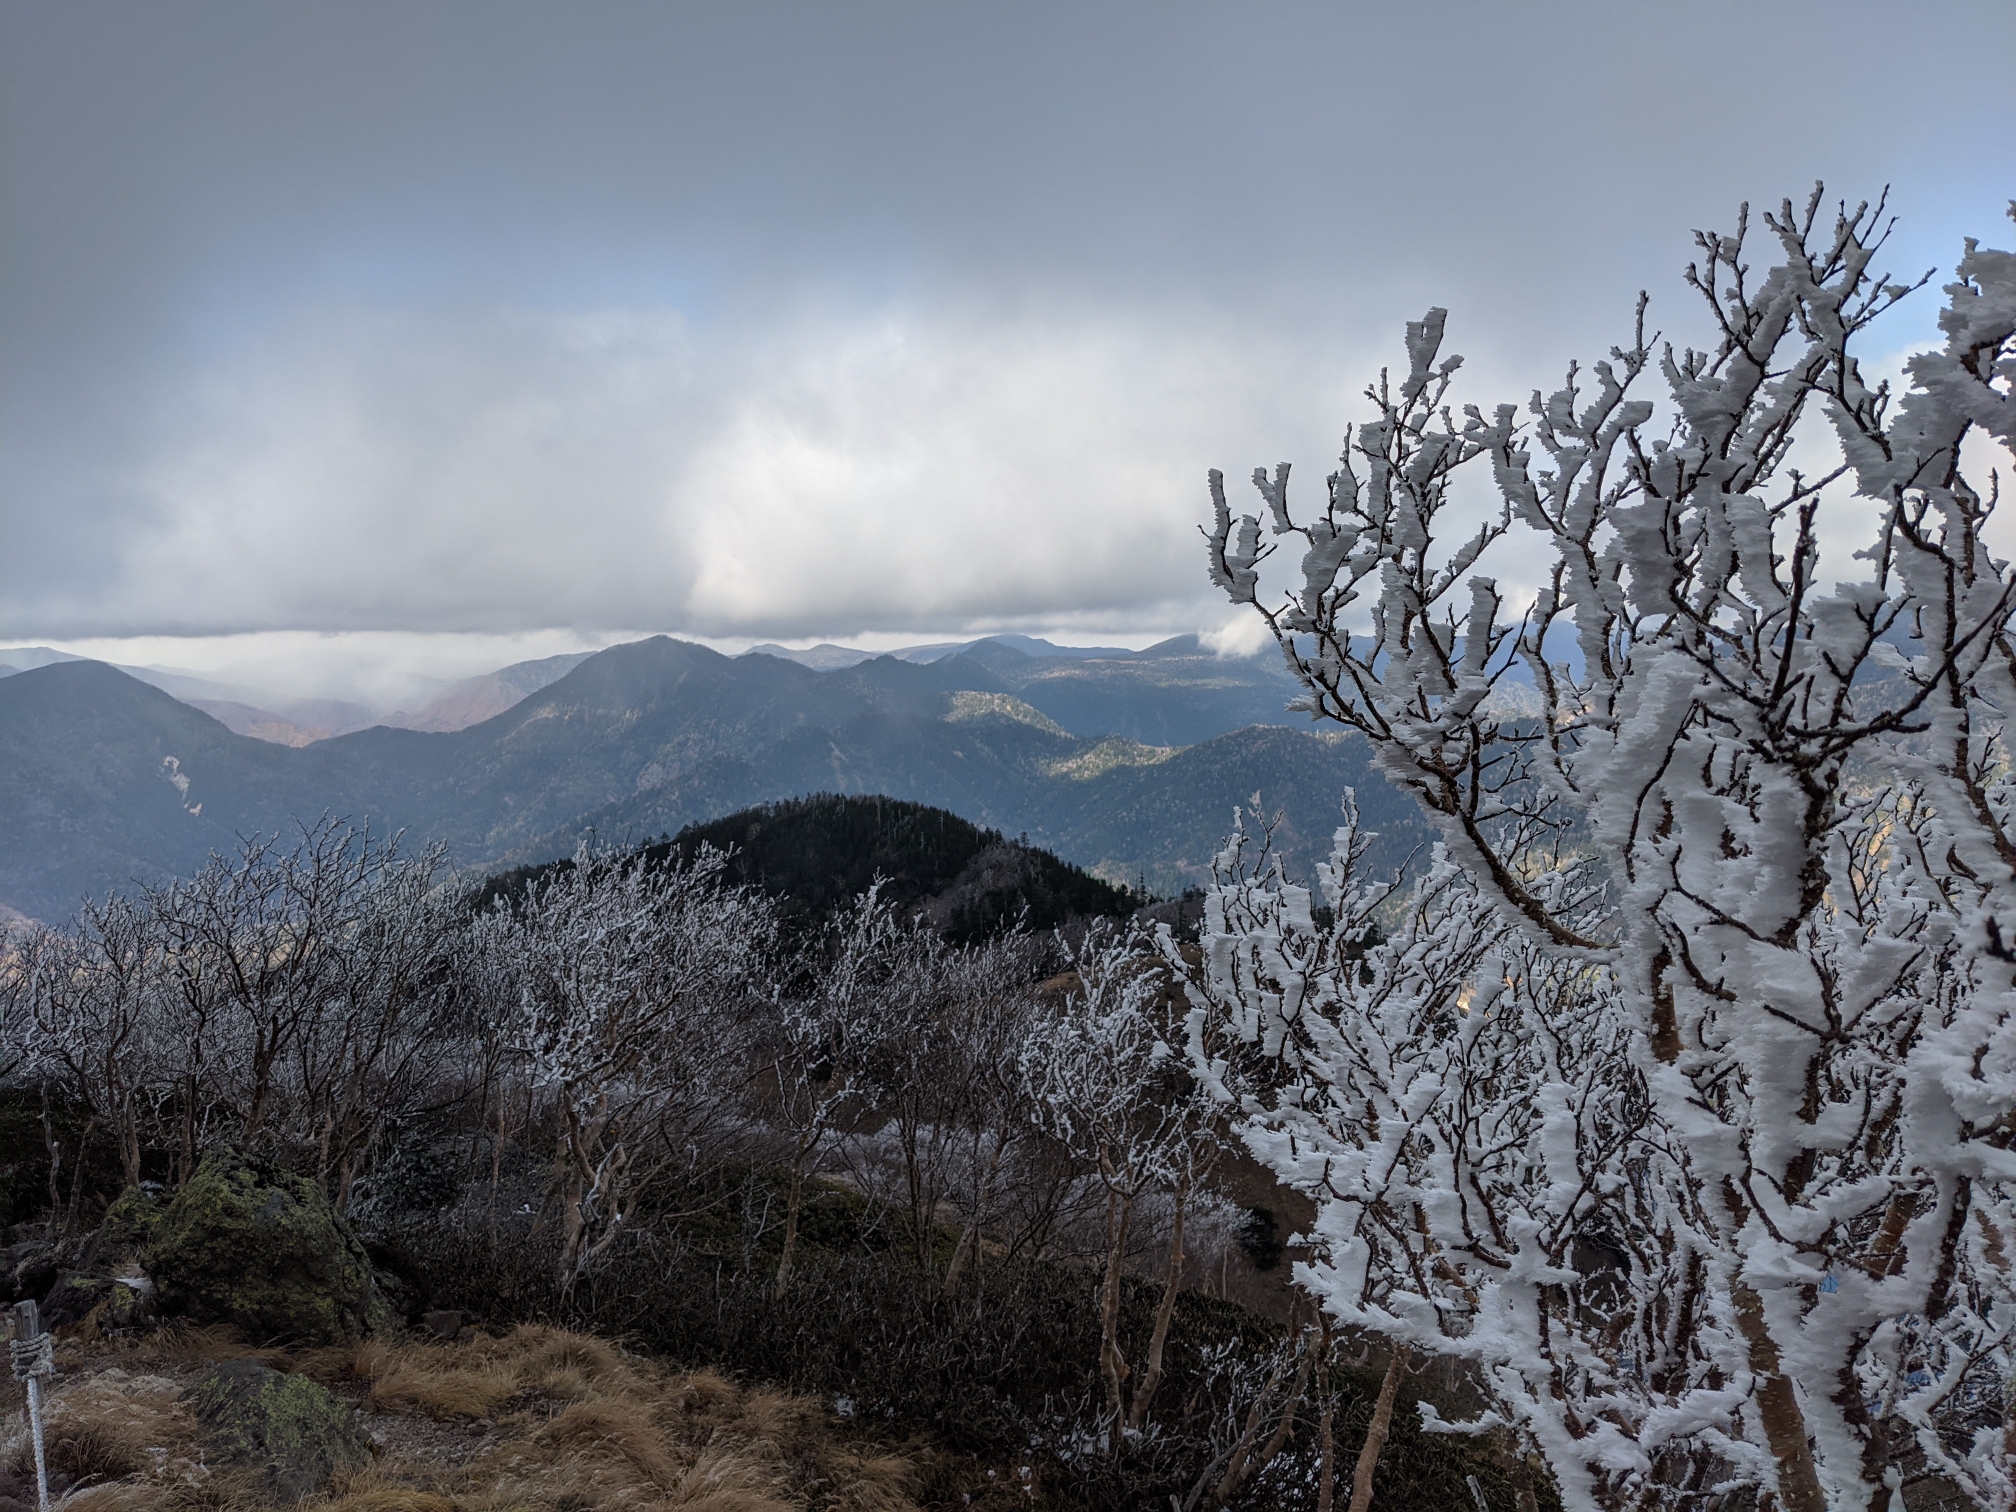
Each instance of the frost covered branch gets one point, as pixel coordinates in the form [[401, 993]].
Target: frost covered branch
[[1800, 796]]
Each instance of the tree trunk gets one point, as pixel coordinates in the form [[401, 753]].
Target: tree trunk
[[346, 1175], [1245, 1463], [956, 1266], [54, 1146], [1113, 1364], [77, 1173], [324, 1142], [125, 1130], [1375, 1436], [922, 1227], [969, 1236], [572, 1228], [574, 1217], [185, 1163], [1778, 1408], [1145, 1392], [129, 1149], [1326, 1438], [793, 1198], [262, 1082]]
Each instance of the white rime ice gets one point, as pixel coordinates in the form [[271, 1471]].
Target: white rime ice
[[1677, 1096], [1105, 1084], [633, 984]]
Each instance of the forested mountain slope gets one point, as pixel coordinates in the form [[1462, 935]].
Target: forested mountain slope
[[105, 781], [816, 854]]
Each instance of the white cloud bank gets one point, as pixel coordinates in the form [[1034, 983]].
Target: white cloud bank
[[893, 472]]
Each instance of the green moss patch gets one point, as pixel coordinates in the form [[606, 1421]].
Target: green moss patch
[[287, 1429], [246, 1244]]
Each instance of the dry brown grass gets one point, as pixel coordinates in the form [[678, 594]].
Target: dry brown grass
[[613, 1427], [390, 1499], [538, 1420], [103, 1433], [129, 1498], [185, 1344]]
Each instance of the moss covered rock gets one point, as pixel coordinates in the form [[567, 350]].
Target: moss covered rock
[[127, 1228], [284, 1428], [247, 1244], [73, 1298], [130, 1305]]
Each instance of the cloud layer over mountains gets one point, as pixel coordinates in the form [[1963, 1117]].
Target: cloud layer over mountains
[[775, 320], [511, 472]]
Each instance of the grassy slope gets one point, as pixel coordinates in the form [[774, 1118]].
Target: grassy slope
[[537, 1420]]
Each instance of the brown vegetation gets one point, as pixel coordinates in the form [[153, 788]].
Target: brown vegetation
[[539, 1420]]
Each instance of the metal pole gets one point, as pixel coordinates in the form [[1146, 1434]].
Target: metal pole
[[29, 1366]]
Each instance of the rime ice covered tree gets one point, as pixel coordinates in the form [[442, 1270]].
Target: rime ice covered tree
[[1801, 794], [1459, 1107], [1104, 1081], [95, 995], [630, 984]]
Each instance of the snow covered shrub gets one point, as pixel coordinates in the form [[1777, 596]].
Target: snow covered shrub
[[1461, 1110], [628, 988], [1800, 797], [1104, 1082]]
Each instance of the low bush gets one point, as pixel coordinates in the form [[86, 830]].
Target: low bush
[[1004, 1372]]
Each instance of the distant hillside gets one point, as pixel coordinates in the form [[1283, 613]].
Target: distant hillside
[[28, 658], [820, 852], [826, 657], [105, 781], [260, 724], [1176, 693], [263, 713], [475, 699]]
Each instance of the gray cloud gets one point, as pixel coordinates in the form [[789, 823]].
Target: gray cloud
[[796, 319], [898, 469]]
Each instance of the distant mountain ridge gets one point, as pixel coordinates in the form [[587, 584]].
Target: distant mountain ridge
[[105, 781], [475, 699], [260, 712], [827, 657], [1174, 691]]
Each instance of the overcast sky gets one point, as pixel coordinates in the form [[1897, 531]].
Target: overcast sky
[[470, 331]]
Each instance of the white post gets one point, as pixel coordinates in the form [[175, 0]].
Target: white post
[[31, 1363]]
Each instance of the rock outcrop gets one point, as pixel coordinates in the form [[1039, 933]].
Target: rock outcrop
[[260, 1248], [291, 1433]]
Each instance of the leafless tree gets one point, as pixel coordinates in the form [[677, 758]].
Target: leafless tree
[[95, 998], [1105, 1082], [822, 1062], [632, 983]]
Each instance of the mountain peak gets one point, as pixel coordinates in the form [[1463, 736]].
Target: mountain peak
[[824, 657]]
